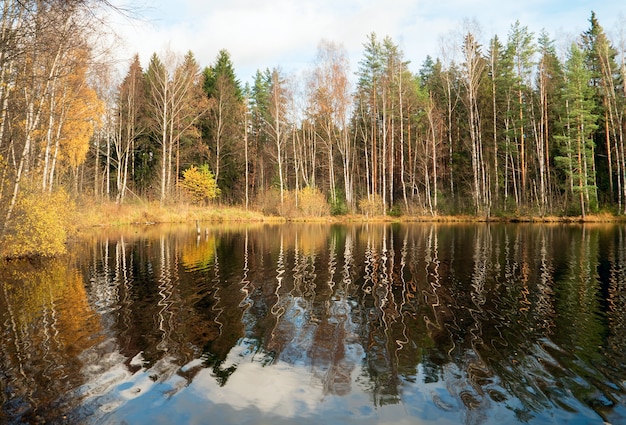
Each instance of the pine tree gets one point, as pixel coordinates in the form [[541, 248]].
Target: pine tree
[[576, 144], [549, 84], [600, 59], [520, 52]]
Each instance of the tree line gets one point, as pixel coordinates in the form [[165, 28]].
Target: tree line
[[507, 127]]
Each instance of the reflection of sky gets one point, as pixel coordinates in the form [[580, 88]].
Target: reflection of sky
[[281, 392], [276, 389], [256, 393], [317, 357]]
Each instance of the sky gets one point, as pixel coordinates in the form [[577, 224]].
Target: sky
[[285, 34]]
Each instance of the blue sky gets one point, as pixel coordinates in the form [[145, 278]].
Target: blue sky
[[263, 34]]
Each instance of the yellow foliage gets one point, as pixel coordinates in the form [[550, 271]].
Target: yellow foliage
[[372, 206], [312, 203], [200, 184], [199, 254], [84, 111], [33, 292], [32, 286], [39, 225]]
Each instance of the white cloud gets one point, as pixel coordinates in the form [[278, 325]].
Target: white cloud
[[267, 33]]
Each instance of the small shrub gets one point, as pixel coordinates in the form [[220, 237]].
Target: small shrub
[[573, 210], [395, 211], [39, 226], [371, 206], [268, 201], [312, 203], [338, 207], [288, 208], [200, 184]]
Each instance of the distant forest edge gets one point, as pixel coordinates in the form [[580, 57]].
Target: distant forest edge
[[511, 127]]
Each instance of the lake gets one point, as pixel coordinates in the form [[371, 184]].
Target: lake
[[319, 323]]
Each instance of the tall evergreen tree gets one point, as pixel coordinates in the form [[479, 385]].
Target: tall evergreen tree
[[600, 59], [549, 84], [576, 144], [259, 117], [224, 123], [367, 111], [520, 52]]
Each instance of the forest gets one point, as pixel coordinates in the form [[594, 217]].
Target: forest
[[489, 129]]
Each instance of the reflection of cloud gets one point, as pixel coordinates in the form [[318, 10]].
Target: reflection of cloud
[[276, 389], [280, 393], [364, 338], [259, 392]]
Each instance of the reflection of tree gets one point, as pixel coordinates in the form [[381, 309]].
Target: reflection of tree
[[492, 315], [616, 315], [581, 330], [301, 317], [46, 322], [615, 345], [159, 310], [281, 331], [382, 313], [334, 334], [496, 322], [198, 254]]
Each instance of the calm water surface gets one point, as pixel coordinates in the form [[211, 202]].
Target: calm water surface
[[281, 324]]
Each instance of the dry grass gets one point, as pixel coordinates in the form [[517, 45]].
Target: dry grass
[[589, 218], [111, 214]]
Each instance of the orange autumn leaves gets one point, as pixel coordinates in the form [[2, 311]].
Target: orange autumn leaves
[[82, 111]]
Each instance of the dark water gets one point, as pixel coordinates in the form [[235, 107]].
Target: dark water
[[308, 324]]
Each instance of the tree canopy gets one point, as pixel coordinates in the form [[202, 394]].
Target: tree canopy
[[499, 126]]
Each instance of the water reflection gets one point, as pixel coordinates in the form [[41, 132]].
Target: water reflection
[[47, 325], [369, 323]]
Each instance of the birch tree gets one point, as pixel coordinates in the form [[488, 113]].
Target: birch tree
[[175, 104], [159, 89], [330, 103], [131, 99], [472, 69], [42, 42], [277, 126]]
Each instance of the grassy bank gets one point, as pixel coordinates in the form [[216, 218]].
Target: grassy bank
[[44, 226], [111, 214]]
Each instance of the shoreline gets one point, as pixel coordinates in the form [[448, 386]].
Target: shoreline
[[92, 217], [111, 214]]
